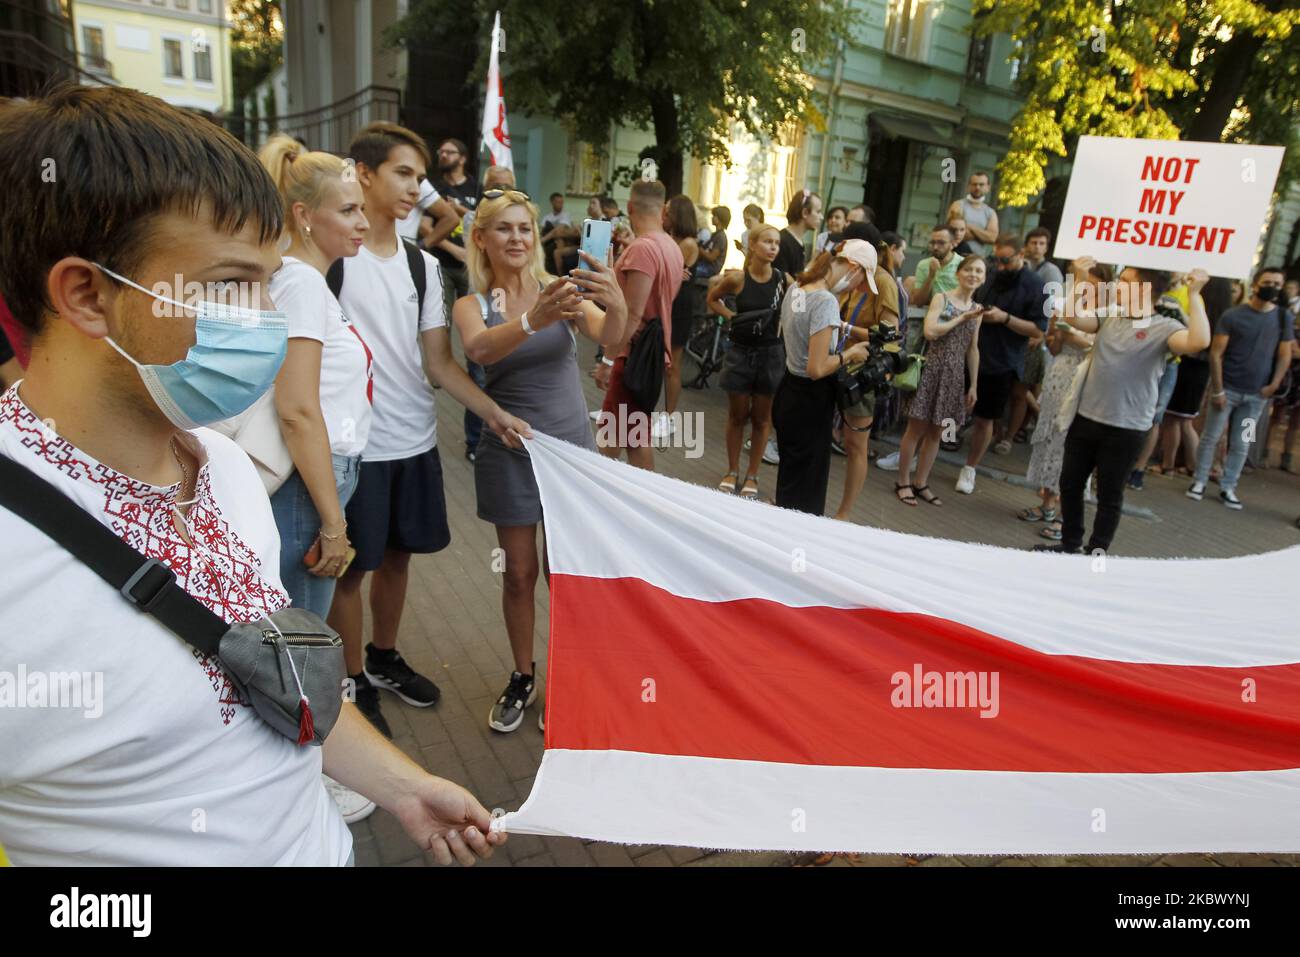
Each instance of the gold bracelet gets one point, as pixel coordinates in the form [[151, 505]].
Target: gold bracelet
[[334, 538]]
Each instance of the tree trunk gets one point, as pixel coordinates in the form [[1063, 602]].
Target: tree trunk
[[663, 108], [1233, 64]]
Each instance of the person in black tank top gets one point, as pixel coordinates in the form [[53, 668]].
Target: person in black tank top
[[680, 223], [755, 362]]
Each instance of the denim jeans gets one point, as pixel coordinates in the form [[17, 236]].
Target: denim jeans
[[299, 524], [1240, 407], [1165, 391]]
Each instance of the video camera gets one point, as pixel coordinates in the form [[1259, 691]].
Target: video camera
[[881, 366]]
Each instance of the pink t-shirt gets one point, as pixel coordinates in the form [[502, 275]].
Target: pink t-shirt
[[658, 256]]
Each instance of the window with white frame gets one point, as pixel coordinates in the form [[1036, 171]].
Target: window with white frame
[[205, 6], [907, 27], [584, 173], [203, 63], [92, 45], [173, 63]]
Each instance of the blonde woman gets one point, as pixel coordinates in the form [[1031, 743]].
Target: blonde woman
[[755, 363], [519, 323], [322, 390]]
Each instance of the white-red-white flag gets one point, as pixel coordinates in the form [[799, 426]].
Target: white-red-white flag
[[496, 135], [727, 674]]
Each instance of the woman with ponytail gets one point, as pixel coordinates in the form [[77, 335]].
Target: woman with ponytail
[[755, 363], [321, 393]]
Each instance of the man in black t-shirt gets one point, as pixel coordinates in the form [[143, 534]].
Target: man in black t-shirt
[[462, 192]]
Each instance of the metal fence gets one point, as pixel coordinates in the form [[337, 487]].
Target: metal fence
[[329, 128]]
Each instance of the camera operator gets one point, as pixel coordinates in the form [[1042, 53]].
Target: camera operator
[[805, 400]]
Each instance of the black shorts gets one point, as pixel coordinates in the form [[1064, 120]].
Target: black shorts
[[992, 393], [398, 504], [753, 370]]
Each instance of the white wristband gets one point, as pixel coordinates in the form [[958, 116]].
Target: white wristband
[[607, 360], [523, 321]]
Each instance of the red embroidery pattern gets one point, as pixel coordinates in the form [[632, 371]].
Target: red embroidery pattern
[[222, 574]]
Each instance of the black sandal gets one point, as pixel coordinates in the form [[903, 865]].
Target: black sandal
[[909, 499], [930, 499]]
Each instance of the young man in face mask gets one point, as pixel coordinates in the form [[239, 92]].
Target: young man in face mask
[[125, 370], [980, 217], [1249, 355], [1017, 311]]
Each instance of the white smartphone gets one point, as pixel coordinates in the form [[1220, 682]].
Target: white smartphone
[[596, 237]]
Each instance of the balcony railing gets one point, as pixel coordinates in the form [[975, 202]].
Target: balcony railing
[[329, 128], [27, 66]]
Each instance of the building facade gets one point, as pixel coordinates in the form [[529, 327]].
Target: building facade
[[177, 50]]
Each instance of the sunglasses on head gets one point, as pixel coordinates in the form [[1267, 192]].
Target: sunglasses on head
[[512, 193]]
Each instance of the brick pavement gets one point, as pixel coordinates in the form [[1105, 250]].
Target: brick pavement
[[452, 631]]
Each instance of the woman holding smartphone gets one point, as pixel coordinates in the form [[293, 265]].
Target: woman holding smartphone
[[519, 324], [322, 393], [942, 399], [1070, 347], [804, 407]]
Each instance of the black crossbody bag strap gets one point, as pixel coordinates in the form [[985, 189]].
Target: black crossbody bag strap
[[146, 583]]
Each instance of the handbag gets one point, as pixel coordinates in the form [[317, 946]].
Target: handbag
[[256, 430], [754, 327], [909, 380], [289, 665]]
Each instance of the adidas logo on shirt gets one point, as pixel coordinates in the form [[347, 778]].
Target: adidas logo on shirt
[[413, 297]]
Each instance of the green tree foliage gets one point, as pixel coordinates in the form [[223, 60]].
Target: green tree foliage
[[256, 43], [686, 69], [1220, 70]]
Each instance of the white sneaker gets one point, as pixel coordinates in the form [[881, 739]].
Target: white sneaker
[[888, 463], [662, 427], [595, 416], [1088, 497], [353, 806], [541, 719], [769, 453], [966, 480]]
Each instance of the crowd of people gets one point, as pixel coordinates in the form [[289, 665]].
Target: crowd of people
[[352, 272]]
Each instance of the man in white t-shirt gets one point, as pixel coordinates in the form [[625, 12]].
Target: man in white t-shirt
[[398, 508], [441, 215], [155, 758]]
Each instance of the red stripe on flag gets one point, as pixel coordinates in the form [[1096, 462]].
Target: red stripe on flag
[[756, 680]]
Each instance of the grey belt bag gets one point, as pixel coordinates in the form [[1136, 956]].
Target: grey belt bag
[[289, 665]]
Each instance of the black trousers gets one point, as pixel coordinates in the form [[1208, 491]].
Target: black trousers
[[802, 414], [1110, 450]]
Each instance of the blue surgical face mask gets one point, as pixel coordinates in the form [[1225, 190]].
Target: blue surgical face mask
[[234, 360]]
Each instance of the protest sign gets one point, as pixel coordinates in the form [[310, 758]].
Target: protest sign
[[1168, 204]]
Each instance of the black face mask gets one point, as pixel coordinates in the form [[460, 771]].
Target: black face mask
[[1269, 293]]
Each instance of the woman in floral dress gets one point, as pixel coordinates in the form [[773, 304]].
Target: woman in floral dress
[[942, 399]]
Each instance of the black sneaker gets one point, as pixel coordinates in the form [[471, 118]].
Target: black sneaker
[[1136, 480], [1229, 498], [469, 454], [387, 670], [838, 447], [1058, 548], [367, 702], [508, 713]]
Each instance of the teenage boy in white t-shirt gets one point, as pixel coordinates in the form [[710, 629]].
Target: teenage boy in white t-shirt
[[398, 508], [158, 738]]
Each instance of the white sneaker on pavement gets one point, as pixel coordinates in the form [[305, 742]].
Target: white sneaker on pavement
[[888, 463], [769, 453], [966, 480], [663, 426], [353, 806]]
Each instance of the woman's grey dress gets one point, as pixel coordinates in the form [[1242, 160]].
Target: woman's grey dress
[[539, 382]]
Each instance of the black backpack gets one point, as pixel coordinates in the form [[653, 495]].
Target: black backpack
[[414, 262]]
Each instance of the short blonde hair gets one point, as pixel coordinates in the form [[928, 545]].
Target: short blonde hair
[[476, 262]]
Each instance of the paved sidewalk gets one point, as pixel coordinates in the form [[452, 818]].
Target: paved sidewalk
[[452, 630]]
